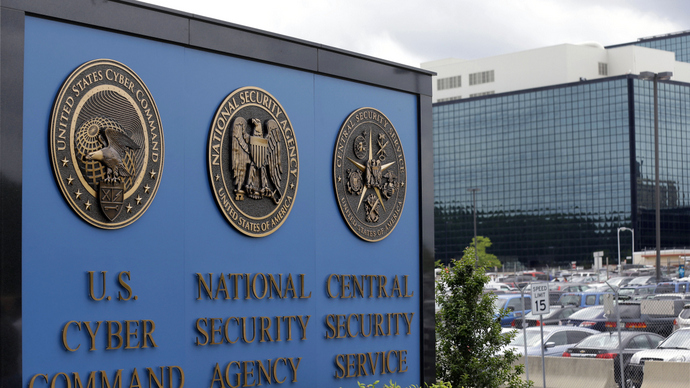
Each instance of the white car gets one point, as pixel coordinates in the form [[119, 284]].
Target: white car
[[683, 319], [499, 287], [676, 348]]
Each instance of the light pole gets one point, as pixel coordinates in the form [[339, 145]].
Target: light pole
[[655, 77], [632, 253], [474, 207]]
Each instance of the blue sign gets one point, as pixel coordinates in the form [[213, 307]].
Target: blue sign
[[180, 297]]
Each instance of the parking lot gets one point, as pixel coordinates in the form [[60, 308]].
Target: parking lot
[[629, 331]]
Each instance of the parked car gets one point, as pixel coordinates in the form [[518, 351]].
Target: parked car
[[656, 316], [567, 287], [606, 345], [554, 317], [683, 319], [582, 299], [676, 348], [556, 339], [600, 287], [646, 280], [636, 292], [499, 286], [512, 303], [620, 281], [589, 317], [666, 287]]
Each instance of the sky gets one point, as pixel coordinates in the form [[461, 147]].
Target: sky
[[411, 32]]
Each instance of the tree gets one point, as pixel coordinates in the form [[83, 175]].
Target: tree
[[486, 260], [469, 341]]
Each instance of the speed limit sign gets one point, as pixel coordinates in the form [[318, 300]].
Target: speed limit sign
[[540, 298]]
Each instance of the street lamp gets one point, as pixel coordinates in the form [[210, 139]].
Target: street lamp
[[474, 207], [632, 253], [655, 77]]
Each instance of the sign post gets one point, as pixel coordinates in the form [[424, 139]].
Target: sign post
[[541, 306]]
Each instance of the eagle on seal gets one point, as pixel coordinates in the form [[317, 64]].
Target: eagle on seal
[[115, 143], [256, 159]]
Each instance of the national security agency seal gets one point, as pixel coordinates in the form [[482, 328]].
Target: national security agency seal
[[369, 174], [253, 161], [106, 144]]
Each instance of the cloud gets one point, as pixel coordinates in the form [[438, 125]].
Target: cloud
[[413, 31]]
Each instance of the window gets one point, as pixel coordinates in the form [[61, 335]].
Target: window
[[448, 83], [481, 94], [577, 336], [639, 342], [449, 98], [558, 338], [603, 68], [591, 300], [482, 77]]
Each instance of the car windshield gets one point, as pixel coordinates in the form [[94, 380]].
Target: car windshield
[[626, 291], [587, 313], [500, 303], [605, 341], [639, 280], [570, 299], [533, 339], [679, 339], [616, 281]]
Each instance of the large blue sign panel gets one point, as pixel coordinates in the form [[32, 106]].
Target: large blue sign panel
[[180, 297]]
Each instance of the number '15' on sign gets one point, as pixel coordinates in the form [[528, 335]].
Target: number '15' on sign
[[540, 301]]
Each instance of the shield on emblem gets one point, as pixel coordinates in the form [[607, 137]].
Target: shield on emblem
[[111, 196]]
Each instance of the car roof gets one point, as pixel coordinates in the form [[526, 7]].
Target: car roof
[[549, 329], [509, 296]]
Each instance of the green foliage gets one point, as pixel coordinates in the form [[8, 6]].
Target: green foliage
[[469, 341], [486, 260], [391, 384]]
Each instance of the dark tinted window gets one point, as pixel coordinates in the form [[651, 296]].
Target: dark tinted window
[[559, 338], [576, 336], [654, 340], [639, 342], [570, 299], [665, 288]]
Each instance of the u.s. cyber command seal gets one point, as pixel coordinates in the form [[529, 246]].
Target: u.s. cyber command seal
[[369, 174], [106, 144], [253, 161]]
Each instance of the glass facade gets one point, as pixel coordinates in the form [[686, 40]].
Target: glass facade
[[680, 44], [674, 164], [557, 172]]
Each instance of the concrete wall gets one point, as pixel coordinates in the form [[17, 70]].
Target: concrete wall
[[571, 372], [659, 374], [597, 373]]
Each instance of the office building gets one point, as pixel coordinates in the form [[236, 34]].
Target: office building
[[560, 142]]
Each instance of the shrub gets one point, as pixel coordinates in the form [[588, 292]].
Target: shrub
[[469, 343]]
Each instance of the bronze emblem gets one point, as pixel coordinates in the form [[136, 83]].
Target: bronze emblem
[[369, 174], [253, 161], [106, 144]]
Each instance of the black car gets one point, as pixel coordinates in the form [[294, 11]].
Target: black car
[[554, 317], [606, 345], [589, 317]]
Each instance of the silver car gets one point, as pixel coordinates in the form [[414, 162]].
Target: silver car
[[557, 339], [676, 348], [683, 319]]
